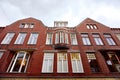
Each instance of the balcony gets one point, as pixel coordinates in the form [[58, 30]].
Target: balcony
[[61, 46]]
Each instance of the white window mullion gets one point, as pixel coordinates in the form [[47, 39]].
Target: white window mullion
[[76, 65], [62, 66], [66, 38], [57, 38], [48, 64]]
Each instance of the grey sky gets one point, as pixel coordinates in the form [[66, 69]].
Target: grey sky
[[73, 11]]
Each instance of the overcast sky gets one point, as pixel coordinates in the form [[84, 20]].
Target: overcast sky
[[106, 12]]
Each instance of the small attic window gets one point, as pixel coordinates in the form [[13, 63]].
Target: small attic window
[[91, 26], [26, 25]]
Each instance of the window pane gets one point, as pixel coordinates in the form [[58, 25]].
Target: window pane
[[26, 25], [93, 62], [20, 38], [57, 38], [49, 38], [97, 39], [85, 39], [48, 63], [33, 38], [19, 62], [73, 39], [88, 27], [8, 38], [109, 39], [31, 25], [62, 62], [66, 38], [76, 63]]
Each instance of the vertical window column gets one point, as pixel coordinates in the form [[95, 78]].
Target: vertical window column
[[77, 66], [48, 63], [49, 38], [93, 62], [57, 38], [62, 63], [73, 39]]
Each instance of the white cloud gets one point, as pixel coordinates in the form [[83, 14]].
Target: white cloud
[[74, 11]]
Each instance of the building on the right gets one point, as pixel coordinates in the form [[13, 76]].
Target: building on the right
[[31, 50]]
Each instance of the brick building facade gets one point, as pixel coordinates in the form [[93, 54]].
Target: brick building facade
[[31, 50]]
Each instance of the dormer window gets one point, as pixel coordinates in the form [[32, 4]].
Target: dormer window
[[91, 26], [60, 23], [26, 25]]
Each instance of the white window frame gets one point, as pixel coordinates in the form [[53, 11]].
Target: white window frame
[[64, 63], [109, 39], [8, 38], [20, 39], [49, 38], [78, 64], [13, 62], [85, 39], [97, 39], [33, 38], [48, 63], [73, 39], [57, 38], [66, 38]]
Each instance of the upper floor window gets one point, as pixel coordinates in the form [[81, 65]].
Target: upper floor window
[[91, 26], [94, 66], [85, 39], [48, 63], [19, 62], [1, 54], [26, 25], [62, 63], [61, 37], [20, 38], [33, 38], [8, 38], [49, 38], [109, 39], [73, 39], [97, 39], [118, 35], [77, 66]]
